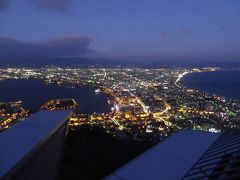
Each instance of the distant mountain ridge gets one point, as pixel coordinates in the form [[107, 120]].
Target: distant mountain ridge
[[103, 62]]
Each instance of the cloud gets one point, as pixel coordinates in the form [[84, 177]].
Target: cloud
[[185, 30], [4, 4], [60, 5], [66, 46]]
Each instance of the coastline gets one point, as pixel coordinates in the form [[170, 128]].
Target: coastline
[[42, 91], [189, 80], [179, 79]]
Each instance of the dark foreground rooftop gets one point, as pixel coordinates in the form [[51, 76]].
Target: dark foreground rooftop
[[32, 149], [186, 155], [32, 146]]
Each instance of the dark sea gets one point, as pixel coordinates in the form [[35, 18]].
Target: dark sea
[[223, 82], [34, 93]]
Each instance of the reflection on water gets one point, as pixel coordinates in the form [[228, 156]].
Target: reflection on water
[[34, 93], [224, 83]]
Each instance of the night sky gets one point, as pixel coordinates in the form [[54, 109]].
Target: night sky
[[119, 29]]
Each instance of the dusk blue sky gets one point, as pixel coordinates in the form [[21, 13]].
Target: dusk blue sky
[[121, 28]]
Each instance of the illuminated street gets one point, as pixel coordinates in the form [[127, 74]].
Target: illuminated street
[[143, 101]]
